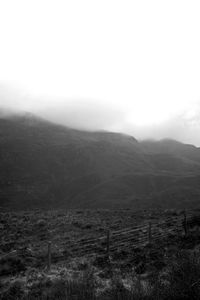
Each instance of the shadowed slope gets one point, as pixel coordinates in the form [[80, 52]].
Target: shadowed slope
[[46, 165]]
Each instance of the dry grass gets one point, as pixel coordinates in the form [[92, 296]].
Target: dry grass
[[180, 280]]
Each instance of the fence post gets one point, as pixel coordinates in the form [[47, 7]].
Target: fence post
[[108, 244], [149, 233], [185, 227], [49, 256]]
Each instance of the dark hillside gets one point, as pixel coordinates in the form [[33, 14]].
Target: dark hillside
[[186, 152], [44, 165]]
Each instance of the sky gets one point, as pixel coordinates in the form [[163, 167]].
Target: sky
[[128, 66]]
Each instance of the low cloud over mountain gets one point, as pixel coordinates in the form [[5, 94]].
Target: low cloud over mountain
[[94, 114]]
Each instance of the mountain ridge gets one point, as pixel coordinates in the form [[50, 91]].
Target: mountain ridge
[[45, 165]]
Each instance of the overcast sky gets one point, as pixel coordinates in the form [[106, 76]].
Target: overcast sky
[[130, 66]]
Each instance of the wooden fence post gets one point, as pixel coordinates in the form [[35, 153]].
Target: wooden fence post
[[49, 256], [185, 227], [149, 233], [108, 244]]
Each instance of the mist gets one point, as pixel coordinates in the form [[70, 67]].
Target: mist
[[94, 114], [131, 68]]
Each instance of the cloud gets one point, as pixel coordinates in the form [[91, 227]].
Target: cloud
[[89, 114], [83, 114], [13, 98], [93, 114], [184, 127]]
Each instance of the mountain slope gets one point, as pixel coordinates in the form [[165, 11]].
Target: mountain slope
[[44, 165], [189, 153]]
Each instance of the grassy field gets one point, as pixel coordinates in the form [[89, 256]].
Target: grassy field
[[131, 272]]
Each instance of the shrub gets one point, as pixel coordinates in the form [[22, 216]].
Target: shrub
[[14, 292], [193, 221], [184, 277], [11, 265], [41, 223], [180, 280], [82, 288]]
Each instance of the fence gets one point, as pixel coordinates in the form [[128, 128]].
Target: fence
[[138, 236]]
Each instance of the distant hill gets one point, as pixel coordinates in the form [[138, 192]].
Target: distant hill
[[44, 165]]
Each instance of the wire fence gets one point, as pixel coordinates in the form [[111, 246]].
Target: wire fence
[[134, 237], [149, 233]]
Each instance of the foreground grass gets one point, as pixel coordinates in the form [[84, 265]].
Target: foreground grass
[[179, 280]]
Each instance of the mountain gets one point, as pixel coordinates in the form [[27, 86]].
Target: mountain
[[45, 165], [169, 154]]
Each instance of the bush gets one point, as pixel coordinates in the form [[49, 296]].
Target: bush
[[11, 265], [79, 289], [14, 292], [184, 277], [193, 221], [41, 223], [180, 280]]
